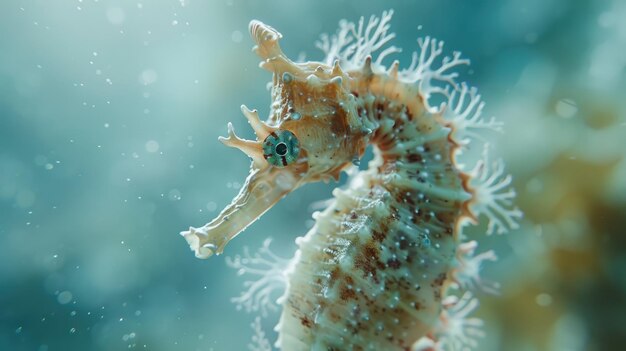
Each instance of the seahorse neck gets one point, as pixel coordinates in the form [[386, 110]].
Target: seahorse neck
[[415, 154], [397, 112]]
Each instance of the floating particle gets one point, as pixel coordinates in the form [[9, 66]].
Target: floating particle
[[152, 146], [116, 15], [237, 36], [148, 76], [64, 297]]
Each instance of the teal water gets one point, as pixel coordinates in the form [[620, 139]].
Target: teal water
[[109, 118]]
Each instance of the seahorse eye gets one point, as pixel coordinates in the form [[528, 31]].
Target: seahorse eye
[[281, 148]]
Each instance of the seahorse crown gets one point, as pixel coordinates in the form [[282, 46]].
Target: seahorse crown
[[313, 133]]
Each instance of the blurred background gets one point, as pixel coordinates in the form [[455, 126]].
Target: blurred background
[[109, 117]]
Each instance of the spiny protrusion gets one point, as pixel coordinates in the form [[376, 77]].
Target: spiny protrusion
[[336, 80], [249, 147], [367, 67], [337, 71], [393, 70], [313, 80], [266, 38], [268, 48], [260, 129]]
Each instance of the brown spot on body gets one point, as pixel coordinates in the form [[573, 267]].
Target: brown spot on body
[[439, 280], [414, 158], [339, 123], [334, 274], [368, 261], [393, 263], [347, 293], [379, 236], [306, 322]]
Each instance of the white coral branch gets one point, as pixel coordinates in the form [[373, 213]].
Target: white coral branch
[[493, 195], [467, 272], [259, 340], [464, 111], [271, 281], [426, 69], [457, 331], [352, 44]]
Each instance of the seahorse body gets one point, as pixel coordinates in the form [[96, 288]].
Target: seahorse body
[[370, 274], [373, 272]]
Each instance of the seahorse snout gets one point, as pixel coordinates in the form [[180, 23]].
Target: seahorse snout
[[262, 189]]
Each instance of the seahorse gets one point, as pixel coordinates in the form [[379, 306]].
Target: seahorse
[[385, 266]]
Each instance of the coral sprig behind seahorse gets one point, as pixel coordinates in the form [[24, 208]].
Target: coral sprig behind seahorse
[[385, 266]]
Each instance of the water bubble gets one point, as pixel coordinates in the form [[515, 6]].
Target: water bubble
[[152, 146], [116, 15], [211, 206], [148, 76], [543, 300], [64, 297], [236, 36]]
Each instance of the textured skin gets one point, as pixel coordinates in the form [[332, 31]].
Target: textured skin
[[379, 256]]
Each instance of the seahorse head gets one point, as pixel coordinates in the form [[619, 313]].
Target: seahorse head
[[312, 134]]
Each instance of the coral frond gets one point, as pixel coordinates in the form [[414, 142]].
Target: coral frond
[[271, 281], [426, 68], [493, 195], [352, 44], [259, 340], [467, 273], [456, 330], [464, 109]]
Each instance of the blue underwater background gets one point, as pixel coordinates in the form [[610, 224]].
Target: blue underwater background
[[109, 116]]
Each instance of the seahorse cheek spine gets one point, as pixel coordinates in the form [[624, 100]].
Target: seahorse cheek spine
[[374, 271]]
